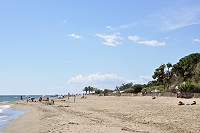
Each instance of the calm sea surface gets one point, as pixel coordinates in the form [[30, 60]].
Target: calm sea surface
[[7, 112]]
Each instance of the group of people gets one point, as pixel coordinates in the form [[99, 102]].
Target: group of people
[[84, 96], [182, 103], [44, 99]]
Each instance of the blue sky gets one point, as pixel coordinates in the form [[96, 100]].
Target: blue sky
[[56, 47]]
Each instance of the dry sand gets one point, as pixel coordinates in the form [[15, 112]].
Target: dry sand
[[108, 114]]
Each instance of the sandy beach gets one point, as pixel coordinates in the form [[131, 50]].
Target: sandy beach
[[107, 114]]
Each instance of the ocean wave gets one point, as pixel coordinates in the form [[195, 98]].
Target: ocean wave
[[4, 107]]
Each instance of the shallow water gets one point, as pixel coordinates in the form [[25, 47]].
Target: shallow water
[[7, 114]]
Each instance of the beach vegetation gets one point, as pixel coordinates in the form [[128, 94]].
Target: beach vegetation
[[134, 89], [85, 89], [185, 73], [88, 89], [186, 86], [149, 89], [162, 75], [98, 91], [196, 76], [185, 68], [124, 86]]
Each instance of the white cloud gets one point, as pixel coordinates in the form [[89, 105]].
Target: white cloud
[[146, 42], [126, 26], [196, 40], [134, 38], [95, 78], [178, 18], [152, 43], [109, 27], [102, 81], [75, 36], [121, 27], [173, 39], [111, 40]]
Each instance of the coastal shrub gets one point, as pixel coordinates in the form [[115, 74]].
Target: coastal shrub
[[129, 90], [137, 88], [187, 86], [134, 89], [196, 88], [151, 88]]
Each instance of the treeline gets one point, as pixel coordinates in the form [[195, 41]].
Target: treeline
[[184, 76]]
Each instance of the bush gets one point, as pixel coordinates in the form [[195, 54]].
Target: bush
[[196, 88], [150, 88], [187, 86]]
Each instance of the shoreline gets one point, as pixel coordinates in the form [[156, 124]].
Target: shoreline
[[107, 114], [8, 113]]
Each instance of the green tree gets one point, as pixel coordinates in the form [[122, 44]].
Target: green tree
[[169, 65], [196, 77], [168, 75], [186, 65], [85, 89], [137, 88], [98, 91], [163, 74], [159, 75], [90, 89], [124, 86]]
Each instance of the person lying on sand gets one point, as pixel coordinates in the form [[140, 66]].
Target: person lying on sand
[[180, 103], [193, 103]]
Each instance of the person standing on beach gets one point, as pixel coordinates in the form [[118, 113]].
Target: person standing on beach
[[74, 98], [68, 95], [21, 97]]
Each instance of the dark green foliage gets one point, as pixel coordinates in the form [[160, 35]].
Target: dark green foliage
[[159, 74], [134, 89], [88, 89], [163, 76], [187, 86], [196, 88], [123, 87], [137, 88], [196, 76], [185, 67], [151, 88], [98, 91], [85, 89]]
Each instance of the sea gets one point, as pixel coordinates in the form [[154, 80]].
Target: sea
[[7, 112]]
